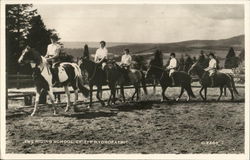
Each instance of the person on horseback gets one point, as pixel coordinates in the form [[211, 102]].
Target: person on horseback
[[172, 67], [126, 61], [52, 55], [101, 54], [212, 67]]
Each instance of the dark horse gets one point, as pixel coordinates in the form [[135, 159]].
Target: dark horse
[[221, 80], [182, 79], [96, 77], [115, 76], [69, 74]]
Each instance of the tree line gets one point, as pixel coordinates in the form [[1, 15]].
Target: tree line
[[24, 26]]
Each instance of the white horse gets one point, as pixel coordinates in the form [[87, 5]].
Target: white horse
[[68, 73]]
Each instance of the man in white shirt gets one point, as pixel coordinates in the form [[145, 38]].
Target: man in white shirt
[[126, 58], [53, 49], [126, 61], [101, 54], [172, 67], [212, 68], [52, 54]]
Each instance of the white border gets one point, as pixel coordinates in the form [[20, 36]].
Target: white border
[[127, 156]]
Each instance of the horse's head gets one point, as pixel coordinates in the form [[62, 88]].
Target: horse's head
[[195, 69], [29, 55]]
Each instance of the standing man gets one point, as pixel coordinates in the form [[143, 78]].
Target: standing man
[[172, 67], [212, 68], [101, 54]]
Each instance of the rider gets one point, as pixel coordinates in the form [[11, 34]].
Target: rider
[[126, 61], [101, 54], [172, 67], [53, 52], [212, 68]]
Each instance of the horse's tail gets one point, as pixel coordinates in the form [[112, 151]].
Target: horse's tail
[[189, 88], [79, 81], [80, 85], [233, 84], [143, 83]]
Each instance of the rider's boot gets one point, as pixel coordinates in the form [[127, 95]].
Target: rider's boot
[[55, 78], [173, 82]]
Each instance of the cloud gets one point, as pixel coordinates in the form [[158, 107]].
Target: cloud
[[143, 23]]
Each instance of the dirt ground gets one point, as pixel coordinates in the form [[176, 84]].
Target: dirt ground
[[147, 126]]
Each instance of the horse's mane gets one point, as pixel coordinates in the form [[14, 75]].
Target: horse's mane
[[36, 55]]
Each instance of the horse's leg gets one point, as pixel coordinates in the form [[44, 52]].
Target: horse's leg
[[132, 98], [138, 92], [225, 91], [90, 95], [205, 89], [164, 97], [99, 88], [231, 91], [201, 93], [114, 94], [221, 91], [38, 93], [122, 93], [66, 88], [52, 99], [182, 90]]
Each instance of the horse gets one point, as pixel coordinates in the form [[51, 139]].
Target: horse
[[42, 76], [182, 79], [115, 75], [96, 76], [221, 80]]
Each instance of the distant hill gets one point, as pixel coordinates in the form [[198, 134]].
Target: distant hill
[[76, 48]]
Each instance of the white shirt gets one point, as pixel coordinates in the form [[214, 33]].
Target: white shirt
[[53, 49], [126, 59], [101, 53], [212, 63], [172, 63]]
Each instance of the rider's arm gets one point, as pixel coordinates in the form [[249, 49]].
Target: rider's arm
[[47, 54], [95, 60], [57, 51], [104, 57]]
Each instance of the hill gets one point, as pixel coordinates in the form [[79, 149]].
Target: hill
[[76, 48]]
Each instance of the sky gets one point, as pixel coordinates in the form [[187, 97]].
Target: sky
[[143, 23]]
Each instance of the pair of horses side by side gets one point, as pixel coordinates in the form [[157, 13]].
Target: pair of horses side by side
[[113, 76]]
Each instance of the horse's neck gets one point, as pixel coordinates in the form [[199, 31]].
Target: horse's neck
[[158, 74], [90, 66], [200, 73]]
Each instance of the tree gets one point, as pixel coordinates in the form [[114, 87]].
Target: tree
[[242, 56], [38, 36], [231, 60], [17, 25]]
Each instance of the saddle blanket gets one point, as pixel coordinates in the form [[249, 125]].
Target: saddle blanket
[[62, 74]]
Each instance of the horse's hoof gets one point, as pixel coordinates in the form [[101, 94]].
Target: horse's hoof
[[188, 99], [55, 113], [32, 114], [88, 106], [177, 99]]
